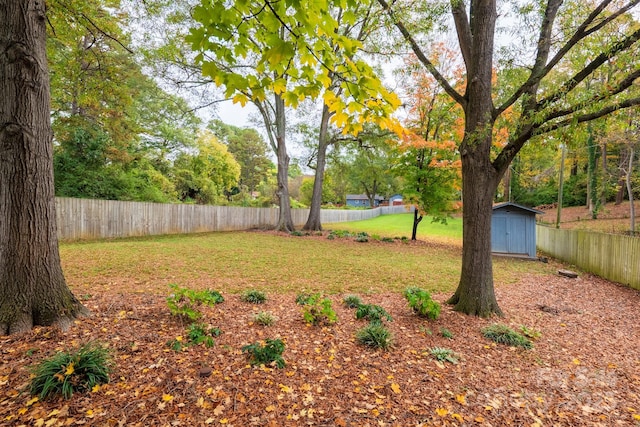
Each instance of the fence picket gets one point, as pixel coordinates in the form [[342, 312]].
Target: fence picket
[[615, 257]]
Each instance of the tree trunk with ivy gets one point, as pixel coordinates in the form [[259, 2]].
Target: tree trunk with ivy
[[33, 290]]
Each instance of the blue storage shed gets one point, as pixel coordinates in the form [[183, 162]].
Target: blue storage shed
[[513, 230]]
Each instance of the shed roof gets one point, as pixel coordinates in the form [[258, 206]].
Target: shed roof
[[517, 206]]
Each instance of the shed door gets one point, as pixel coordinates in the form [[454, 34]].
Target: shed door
[[508, 234], [517, 234]]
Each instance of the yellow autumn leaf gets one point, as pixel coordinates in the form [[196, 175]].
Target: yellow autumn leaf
[[395, 387], [285, 388], [167, 397], [69, 369], [270, 408], [22, 411], [32, 401], [461, 399], [95, 388], [636, 417], [39, 422], [576, 361], [479, 419], [457, 417], [442, 412], [224, 421], [53, 413]]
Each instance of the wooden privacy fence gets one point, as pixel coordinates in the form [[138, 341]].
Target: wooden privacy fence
[[82, 219], [612, 256]]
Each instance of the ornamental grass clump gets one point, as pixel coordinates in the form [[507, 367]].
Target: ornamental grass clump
[[253, 296], [502, 334], [71, 372], [375, 335]]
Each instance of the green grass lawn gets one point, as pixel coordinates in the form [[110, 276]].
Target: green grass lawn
[[235, 261], [400, 225]]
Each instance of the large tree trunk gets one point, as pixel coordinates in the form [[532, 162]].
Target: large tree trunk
[[33, 290], [475, 293], [313, 221], [285, 223]]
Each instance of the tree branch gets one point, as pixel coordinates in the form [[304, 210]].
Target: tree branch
[[465, 39], [570, 84], [538, 72], [422, 57]]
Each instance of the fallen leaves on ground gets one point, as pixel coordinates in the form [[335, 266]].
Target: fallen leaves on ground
[[583, 370]]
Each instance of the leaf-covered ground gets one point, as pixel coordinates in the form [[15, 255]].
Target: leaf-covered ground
[[584, 369]]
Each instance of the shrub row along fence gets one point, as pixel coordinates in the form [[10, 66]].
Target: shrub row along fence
[[87, 219], [612, 256]]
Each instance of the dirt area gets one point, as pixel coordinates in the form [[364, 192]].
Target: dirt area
[[612, 218], [584, 369]]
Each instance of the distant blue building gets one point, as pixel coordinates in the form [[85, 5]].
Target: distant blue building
[[362, 201], [513, 230]]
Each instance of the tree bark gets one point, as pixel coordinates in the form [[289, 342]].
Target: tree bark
[[475, 293], [285, 223], [313, 221], [416, 220], [33, 290]]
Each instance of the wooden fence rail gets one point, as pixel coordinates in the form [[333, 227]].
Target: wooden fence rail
[[612, 256], [87, 219]]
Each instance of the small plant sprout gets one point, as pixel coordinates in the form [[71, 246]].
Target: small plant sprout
[[69, 372], [351, 301], [269, 352], [530, 333], [303, 298], [372, 313], [319, 310], [253, 296], [199, 333], [445, 333], [421, 303], [375, 335], [264, 318], [185, 303], [444, 355], [502, 334]]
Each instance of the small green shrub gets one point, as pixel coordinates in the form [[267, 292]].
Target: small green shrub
[[421, 303], [444, 355], [213, 297], [352, 301], [372, 313], [199, 333], [445, 333], [387, 240], [502, 334], [303, 299], [264, 318], [268, 353], [69, 372], [253, 296], [375, 335], [319, 310], [530, 333], [184, 302], [339, 234], [297, 233], [362, 237]]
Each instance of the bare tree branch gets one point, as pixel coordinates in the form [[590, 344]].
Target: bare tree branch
[[422, 57]]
